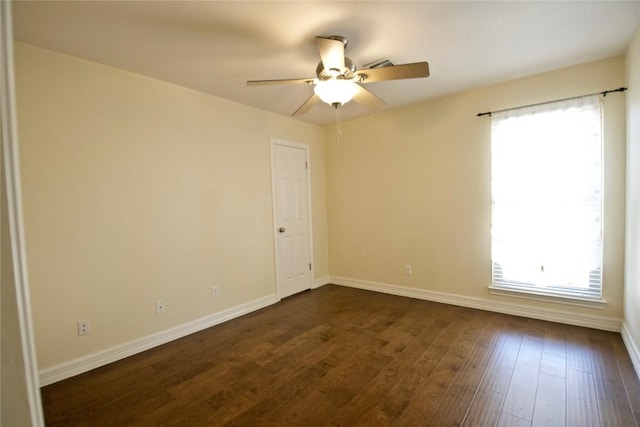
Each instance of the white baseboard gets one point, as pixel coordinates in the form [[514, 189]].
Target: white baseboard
[[95, 360], [559, 316], [632, 348], [101, 358], [317, 283]]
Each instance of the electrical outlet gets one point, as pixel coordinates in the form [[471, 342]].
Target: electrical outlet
[[408, 270], [83, 327], [160, 306], [215, 292]]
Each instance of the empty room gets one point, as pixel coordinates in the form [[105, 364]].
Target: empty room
[[374, 213]]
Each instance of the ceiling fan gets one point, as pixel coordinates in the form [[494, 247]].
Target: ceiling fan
[[338, 80]]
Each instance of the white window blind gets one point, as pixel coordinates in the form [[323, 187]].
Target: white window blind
[[546, 188]]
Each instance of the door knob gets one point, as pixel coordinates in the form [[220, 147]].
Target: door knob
[[282, 229]]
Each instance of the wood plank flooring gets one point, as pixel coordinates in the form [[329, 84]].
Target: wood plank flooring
[[337, 356]]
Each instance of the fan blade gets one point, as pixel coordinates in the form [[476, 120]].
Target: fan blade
[[368, 100], [394, 72], [332, 53], [313, 100], [278, 82]]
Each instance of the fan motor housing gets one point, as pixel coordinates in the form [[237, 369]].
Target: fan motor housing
[[347, 73]]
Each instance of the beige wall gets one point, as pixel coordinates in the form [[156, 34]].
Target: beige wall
[[412, 186], [137, 190], [632, 265]]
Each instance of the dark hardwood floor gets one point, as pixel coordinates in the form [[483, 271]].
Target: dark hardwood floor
[[337, 356]]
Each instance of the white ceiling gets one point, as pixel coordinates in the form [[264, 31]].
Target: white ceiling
[[216, 46]]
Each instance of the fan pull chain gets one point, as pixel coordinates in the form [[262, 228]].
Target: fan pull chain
[[338, 129]]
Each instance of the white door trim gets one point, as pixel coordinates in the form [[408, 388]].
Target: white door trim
[[11, 169], [277, 141]]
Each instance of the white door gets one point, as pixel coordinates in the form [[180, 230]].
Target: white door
[[291, 217]]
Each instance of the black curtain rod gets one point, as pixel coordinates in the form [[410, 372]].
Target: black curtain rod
[[620, 89]]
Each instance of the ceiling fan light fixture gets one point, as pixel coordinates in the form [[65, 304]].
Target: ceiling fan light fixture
[[336, 91], [338, 80]]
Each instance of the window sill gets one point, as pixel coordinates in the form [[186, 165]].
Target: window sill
[[548, 297]]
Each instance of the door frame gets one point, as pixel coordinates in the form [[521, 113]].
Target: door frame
[[11, 170], [283, 142]]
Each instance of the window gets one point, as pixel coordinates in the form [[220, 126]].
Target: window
[[546, 190]]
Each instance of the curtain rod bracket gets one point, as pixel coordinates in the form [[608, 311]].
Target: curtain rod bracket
[[620, 89]]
